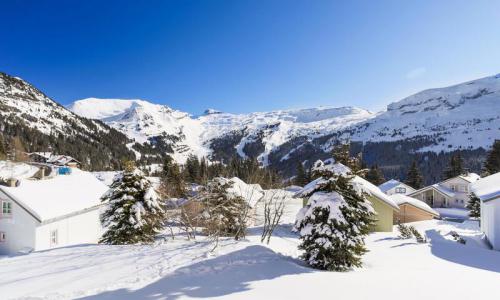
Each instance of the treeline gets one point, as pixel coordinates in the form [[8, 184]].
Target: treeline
[[200, 171], [95, 149]]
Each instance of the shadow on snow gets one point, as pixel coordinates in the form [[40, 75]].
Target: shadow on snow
[[223, 275], [471, 256]]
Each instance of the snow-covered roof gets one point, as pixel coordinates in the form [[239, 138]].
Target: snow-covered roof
[[470, 177], [400, 199], [59, 196], [438, 187], [487, 188], [252, 193], [384, 187], [10, 169], [373, 190], [61, 159]]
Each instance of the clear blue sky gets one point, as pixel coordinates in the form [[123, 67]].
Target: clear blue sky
[[242, 56]]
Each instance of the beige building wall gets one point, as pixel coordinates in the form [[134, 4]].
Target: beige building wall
[[409, 213]]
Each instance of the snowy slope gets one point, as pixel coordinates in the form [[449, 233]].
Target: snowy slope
[[141, 120], [248, 269], [21, 101], [465, 116]]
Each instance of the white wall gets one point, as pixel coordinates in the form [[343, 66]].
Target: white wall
[[461, 196], [392, 191], [19, 229], [490, 222], [80, 229]]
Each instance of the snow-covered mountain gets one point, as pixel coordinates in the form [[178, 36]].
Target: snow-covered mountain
[[463, 116], [42, 124], [142, 121]]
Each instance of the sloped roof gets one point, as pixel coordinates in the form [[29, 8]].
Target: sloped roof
[[373, 190], [358, 182], [439, 188], [400, 199], [470, 177], [384, 187], [487, 188], [59, 196]]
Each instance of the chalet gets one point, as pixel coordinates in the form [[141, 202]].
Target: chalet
[[44, 214], [54, 159], [383, 205], [412, 210], [453, 192], [488, 191], [394, 186]]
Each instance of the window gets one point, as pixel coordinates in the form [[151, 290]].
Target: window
[[53, 237], [6, 208], [453, 187], [2, 237], [463, 188], [401, 190]]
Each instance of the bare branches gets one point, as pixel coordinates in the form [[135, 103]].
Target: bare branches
[[274, 207]]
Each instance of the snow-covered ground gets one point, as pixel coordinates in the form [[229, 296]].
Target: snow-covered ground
[[181, 269]]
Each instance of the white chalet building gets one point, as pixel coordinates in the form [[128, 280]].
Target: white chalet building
[[44, 214], [453, 192], [488, 191], [393, 186]]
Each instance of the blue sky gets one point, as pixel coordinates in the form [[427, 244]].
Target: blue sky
[[242, 56]]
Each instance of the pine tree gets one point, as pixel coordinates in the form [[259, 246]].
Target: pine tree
[[224, 214], [172, 183], [474, 206], [414, 178], [334, 223], [375, 176], [455, 167], [3, 152], [341, 154], [133, 212], [492, 164], [192, 169], [301, 176]]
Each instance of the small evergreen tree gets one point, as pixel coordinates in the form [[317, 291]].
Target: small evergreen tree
[[301, 176], [375, 176], [455, 167], [474, 206], [334, 223], [172, 183], [3, 152], [414, 178], [133, 212], [224, 214], [492, 164]]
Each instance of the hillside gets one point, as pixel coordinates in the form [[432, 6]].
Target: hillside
[[42, 124], [423, 127]]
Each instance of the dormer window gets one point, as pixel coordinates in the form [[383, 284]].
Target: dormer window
[[6, 208], [400, 190]]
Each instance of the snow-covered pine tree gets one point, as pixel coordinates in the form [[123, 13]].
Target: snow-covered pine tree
[[224, 214], [334, 223], [133, 212], [474, 206]]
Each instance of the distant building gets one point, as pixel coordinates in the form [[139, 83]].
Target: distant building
[[54, 159], [453, 192], [44, 214], [393, 186], [488, 191], [412, 210]]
